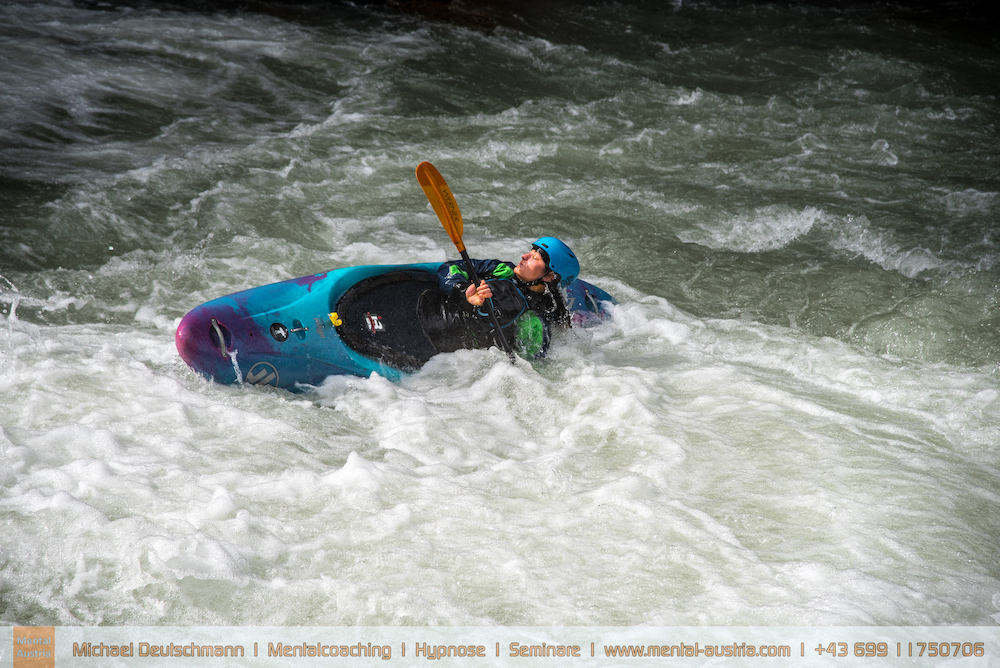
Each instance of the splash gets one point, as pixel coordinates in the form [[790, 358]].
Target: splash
[[236, 366], [14, 301]]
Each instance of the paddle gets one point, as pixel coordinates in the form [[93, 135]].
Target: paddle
[[446, 207]]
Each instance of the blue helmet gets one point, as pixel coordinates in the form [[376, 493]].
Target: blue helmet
[[560, 259]]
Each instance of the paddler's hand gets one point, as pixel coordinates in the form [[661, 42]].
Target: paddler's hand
[[478, 296]]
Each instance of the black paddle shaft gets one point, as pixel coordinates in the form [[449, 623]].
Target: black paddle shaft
[[489, 303]]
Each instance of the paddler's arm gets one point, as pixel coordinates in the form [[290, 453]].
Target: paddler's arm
[[508, 302], [454, 280]]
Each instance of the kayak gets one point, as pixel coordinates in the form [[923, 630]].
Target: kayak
[[356, 320]]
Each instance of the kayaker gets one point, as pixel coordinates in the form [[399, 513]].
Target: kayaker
[[526, 297]]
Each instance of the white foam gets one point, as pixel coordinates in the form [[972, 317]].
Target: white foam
[[768, 228], [858, 236]]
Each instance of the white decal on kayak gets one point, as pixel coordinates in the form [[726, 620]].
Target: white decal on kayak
[[374, 323], [262, 373]]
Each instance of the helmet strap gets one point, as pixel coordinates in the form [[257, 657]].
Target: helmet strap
[[533, 285]]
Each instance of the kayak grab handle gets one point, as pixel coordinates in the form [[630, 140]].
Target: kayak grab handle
[[220, 337]]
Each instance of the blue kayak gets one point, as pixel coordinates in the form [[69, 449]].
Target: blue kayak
[[355, 320]]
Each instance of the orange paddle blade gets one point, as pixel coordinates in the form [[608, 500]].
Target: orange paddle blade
[[440, 197]]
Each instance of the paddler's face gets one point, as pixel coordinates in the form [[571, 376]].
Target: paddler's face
[[532, 267]]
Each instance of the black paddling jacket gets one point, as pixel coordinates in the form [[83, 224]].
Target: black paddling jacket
[[451, 323]]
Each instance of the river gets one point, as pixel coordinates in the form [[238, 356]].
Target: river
[[792, 416]]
